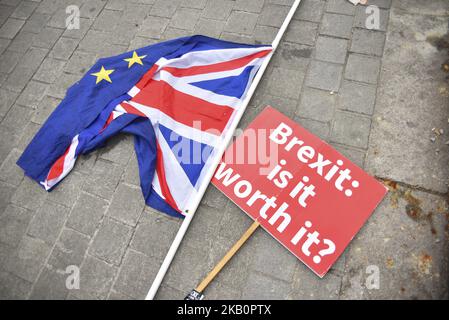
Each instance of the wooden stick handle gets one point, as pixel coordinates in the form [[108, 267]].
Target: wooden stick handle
[[227, 257]]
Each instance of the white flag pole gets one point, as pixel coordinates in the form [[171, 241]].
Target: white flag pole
[[221, 149]]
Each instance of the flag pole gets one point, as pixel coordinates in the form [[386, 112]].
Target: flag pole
[[217, 159]]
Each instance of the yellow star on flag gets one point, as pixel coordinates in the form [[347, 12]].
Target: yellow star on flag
[[103, 74], [134, 59]]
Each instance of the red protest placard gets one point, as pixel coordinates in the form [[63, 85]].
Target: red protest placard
[[302, 191]]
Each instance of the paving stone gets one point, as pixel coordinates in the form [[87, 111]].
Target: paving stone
[[264, 34], [218, 9], [355, 155], [32, 95], [6, 192], [107, 20], [96, 278], [85, 24], [317, 105], [127, 204], [24, 10], [7, 99], [341, 7], [118, 149], [284, 105], [68, 190], [58, 19], [59, 87], [196, 4], [51, 285], [310, 10], [209, 27], [153, 27], [64, 48], [139, 42], [36, 22], [10, 28], [45, 108], [351, 129], [80, 62], [9, 61], [331, 49], [165, 9], [28, 259], [171, 33], [237, 38], [33, 58], [185, 18], [303, 32], [214, 198], [8, 143], [131, 175], [49, 70], [136, 274], [292, 56], [241, 22], [47, 222], [91, 8], [92, 39], [249, 5], [16, 119], [307, 286], [386, 4], [9, 171], [409, 252], [324, 75], [168, 293], [87, 214], [337, 25], [104, 179], [47, 37], [231, 215], [271, 258], [285, 83], [69, 250], [188, 268], [13, 287], [320, 129], [115, 295], [13, 224], [110, 241], [282, 2], [154, 234], [21, 43], [5, 12], [357, 97], [368, 42], [273, 15], [401, 134], [18, 79], [262, 287], [115, 5], [4, 43], [362, 16], [136, 13], [362, 68], [29, 195]]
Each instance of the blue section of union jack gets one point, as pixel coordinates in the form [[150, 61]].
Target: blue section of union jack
[[178, 98]]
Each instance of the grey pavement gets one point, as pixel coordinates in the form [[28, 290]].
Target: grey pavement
[[379, 96]]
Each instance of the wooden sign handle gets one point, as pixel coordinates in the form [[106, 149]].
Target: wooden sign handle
[[227, 257]]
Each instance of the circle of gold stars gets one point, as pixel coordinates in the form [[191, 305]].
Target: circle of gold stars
[[104, 74]]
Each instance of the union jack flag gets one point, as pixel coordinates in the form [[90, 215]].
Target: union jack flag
[[177, 98]]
